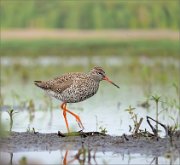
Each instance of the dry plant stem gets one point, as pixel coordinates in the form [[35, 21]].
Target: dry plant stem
[[11, 124], [157, 118], [156, 161], [11, 159], [138, 125], [153, 129], [125, 137], [11, 113], [152, 161], [11, 120], [156, 99]]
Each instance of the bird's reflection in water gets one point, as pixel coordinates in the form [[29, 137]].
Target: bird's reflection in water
[[83, 156]]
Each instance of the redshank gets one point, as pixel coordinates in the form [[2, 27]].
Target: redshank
[[73, 88]]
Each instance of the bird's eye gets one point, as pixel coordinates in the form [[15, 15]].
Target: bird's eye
[[100, 73]]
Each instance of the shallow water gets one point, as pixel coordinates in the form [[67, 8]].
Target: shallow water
[[57, 157], [105, 110], [102, 110]]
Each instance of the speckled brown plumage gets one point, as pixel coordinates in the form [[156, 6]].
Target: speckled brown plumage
[[74, 87]]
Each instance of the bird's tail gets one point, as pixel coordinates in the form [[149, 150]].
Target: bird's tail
[[40, 84]]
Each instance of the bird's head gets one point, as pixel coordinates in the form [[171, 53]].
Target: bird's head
[[98, 74]]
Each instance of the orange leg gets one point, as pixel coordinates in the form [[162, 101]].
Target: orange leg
[[63, 106], [77, 118], [65, 161], [65, 158]]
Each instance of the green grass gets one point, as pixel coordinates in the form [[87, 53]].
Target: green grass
[[90, 14], [36, 48]]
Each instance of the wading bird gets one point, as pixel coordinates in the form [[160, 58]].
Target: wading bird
[[73, 88]]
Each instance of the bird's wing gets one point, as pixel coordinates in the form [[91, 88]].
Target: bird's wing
[[66, 77], [59, 87], [65, 81], [59, 84]]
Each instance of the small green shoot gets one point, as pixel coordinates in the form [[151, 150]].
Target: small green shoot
[[156, 99], [103, 130], [134, 117], [177, 103], [175, 126]]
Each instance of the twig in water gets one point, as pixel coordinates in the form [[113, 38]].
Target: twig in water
[[34, 130], [138, 125], [153, 129], [162, 125], [125, 137]]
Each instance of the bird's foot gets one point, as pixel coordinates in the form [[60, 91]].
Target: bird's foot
[[80, 131]]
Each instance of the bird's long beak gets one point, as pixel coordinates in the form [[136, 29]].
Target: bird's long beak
[[107, 79]]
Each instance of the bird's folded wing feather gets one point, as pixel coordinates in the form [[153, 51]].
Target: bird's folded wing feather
[[59, 87]]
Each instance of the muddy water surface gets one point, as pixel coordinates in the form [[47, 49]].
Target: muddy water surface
[[138, 79]]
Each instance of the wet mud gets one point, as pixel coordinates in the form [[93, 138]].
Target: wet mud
[[33, 141]]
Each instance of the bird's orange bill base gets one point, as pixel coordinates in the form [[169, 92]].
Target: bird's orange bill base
[[107, 79]]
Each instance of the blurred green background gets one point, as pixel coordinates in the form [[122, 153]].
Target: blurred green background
[[61, 28], [90, 15], [142, 31]]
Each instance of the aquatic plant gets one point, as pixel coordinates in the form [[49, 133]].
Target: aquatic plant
[[130, 110], [177, 103], [31, 110], [11, 113], [170, 103], [156, 99], [134, 117], [103, 130]]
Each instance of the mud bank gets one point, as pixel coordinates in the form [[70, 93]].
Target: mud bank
[[25, 141]]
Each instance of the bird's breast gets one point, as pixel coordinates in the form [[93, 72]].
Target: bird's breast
[[79, 92]]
